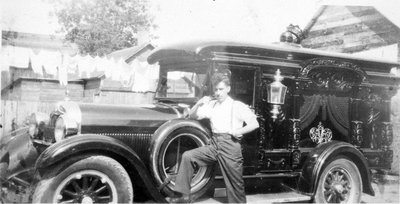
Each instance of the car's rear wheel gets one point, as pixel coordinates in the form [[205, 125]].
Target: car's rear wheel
[[94, 179], [169, 156], [340, 182]]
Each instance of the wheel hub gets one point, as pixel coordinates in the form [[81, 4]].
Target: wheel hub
[[86, 187], [338, 188], [87, 200]]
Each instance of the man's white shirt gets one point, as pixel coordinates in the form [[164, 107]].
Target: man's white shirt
[[226, 116]]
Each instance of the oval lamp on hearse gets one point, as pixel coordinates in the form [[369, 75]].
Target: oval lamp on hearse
[[276, 94]]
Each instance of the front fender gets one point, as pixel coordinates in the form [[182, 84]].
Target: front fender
[[99, 144], [322, 155], [18, 152]]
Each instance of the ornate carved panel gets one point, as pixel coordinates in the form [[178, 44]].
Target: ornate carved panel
[[294, 133], [332, 74], [356, 133], [387, 135]]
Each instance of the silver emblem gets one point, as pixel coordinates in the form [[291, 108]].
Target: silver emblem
[[320, 135]]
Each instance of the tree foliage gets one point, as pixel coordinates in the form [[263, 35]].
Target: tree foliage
[[99, 27]]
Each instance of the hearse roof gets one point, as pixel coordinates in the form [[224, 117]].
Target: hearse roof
[[252, 53]]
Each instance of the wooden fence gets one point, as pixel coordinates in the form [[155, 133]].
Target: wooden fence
[[14, 113]]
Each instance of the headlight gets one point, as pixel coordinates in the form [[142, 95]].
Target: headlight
[[64, 126], [37, 122]]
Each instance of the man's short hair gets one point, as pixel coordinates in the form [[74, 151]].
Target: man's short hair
[[223, 76]]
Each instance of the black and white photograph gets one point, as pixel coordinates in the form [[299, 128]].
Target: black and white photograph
[[200, 101]]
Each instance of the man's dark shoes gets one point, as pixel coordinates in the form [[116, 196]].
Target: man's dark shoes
[[179, 198]]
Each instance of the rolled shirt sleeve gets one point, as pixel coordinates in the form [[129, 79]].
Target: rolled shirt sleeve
[[204, 111]]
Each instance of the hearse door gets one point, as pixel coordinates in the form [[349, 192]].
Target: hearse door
[[243, 88]]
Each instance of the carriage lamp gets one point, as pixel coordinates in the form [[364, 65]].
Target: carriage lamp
[[276, 94]]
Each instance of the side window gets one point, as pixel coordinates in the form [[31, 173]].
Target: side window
[[180, 84]]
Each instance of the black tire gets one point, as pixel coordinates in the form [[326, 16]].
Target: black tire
[[340, 182], [96, 179], [168, 159]]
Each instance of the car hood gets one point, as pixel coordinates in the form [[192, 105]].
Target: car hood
[[151, 115]]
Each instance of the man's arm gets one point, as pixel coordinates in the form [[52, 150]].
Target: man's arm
[[194, 111], [251, 125], [249, 117]]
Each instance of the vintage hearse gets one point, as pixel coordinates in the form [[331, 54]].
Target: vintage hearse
[[324, 125]]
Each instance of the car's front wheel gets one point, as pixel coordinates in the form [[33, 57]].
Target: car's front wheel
[[340, 182], [93, 179]]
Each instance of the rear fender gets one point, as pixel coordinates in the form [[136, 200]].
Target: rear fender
[[98, 144], [322, 155]]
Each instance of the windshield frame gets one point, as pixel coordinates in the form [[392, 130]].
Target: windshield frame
[[201, 68]]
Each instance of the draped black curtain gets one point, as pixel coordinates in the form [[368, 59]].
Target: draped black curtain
[[333, 108]]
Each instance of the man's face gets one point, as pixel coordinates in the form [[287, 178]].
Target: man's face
[[221, 91]]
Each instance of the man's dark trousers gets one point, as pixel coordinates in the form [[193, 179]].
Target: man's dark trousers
[[228, 153]]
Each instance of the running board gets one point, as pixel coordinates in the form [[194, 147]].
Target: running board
[[283, 197], [272, 175]]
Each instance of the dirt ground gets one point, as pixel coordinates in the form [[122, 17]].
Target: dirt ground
[[386, 191]]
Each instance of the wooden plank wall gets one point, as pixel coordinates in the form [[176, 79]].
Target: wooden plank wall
[[113, 97], [16, 112], [349, 29], [29, 96]]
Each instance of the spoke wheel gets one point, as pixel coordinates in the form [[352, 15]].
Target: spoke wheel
[[86, 187], [85, 179], [340, 182]]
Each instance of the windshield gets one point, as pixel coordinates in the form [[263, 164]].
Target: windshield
[[187, 83]]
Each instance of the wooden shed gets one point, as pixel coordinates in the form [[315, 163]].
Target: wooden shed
[[350, 29]]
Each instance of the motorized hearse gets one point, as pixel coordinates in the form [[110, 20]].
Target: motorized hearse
[[324, 125]]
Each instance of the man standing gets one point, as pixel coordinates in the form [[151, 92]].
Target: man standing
[[227, 118]]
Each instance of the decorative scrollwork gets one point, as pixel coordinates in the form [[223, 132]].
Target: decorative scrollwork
[[262, 138], [373, 116], [296, 158], [387, 139], [357, 132], [320, 135], [387, 135], [387, 158], [333, 74], [276, 163], [295, 133]]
